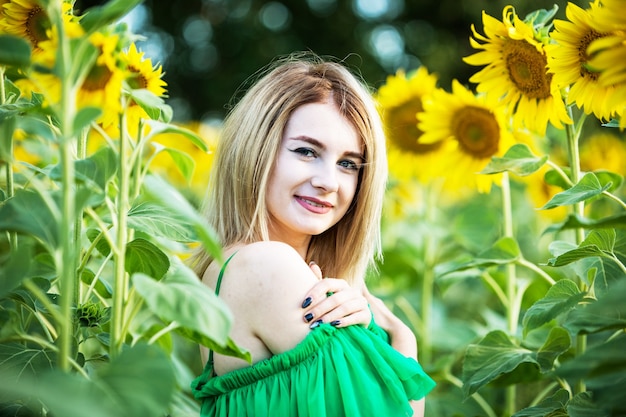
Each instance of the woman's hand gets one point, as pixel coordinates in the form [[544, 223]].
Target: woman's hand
[[345, 307]]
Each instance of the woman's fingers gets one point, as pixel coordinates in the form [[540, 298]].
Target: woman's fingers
[[335, 301]]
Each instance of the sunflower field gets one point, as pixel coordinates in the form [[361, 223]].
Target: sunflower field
[[503, 234]]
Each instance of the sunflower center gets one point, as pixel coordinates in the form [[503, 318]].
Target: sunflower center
[[137, 80], [403, 130], [97, 78], [36, 25], [477, 131], [583, 56], [527, 69]]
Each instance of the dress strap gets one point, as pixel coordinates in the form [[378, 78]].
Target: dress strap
[[218, 284], [217, 292]]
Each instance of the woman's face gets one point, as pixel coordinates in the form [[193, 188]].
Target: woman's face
[[315, 175]]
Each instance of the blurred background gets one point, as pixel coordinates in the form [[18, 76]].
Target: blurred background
[[208, 48]]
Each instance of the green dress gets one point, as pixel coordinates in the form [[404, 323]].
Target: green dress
[[350, 371]]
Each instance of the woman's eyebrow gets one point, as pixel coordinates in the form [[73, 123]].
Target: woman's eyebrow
[[320, 145]]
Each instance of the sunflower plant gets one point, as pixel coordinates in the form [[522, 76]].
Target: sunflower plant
[[93, 292], [546, 116]]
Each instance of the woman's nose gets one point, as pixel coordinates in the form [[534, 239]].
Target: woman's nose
[[325, 177]]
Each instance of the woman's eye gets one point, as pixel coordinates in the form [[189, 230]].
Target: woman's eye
[[348, 164], [308, 152]]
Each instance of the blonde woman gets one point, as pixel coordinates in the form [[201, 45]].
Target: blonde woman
[[297, 190]]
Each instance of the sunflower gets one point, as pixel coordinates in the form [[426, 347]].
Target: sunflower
[[26, 19], [140, 74], [102, 86], [608, 54], [471, 129], [568, 61], [400, 99], [603, 151], [515, 72]]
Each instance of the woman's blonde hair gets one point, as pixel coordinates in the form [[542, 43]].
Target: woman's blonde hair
[[252, 133]]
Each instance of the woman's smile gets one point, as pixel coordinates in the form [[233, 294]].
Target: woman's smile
[[314, 205]]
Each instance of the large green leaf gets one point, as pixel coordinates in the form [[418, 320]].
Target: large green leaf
[[17, 266], [156, 220], [160, 192], [110, 12], [553, 406], [583, 405], [504, 251], [144, 257], [598, 243], [180, 297], [574, 221], [495, 355], [27, 212], [98, 169], [589, 186], [518, 160], [139, 382], [557, 343], [154, 106], [157, 128], [563, 296], [607, 313], [14, 51]]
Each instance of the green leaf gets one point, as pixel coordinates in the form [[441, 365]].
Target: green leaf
[[144, 257], [156, 220], [504, 251], [493, 356], [553, 406], [602, 366], [153, 105], [583, 405], [562, 297], [518, 160], [102, 245], [613, 180], [157, 128], [27, 212], [112, 11], [180, 297], [17, 267], [165, 195], [183, 161], [607, 313], [14, 51], [98, 169], [598, 243], [138, 382], [101, 287], [574, 221], [84, 117], [552, 177], [7, 128], [589, 186], [558, 342]]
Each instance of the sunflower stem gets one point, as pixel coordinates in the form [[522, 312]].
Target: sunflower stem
[[426, 348], [573, 136], [121, 277], [8, 166], [512, 309], [66, 257]]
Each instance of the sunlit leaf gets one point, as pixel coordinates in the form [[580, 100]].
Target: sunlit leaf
[[609, 178], [14, 51], [598, 243], [518, 160], [157, 128], [183, 161], [504, 251], [144, 257], [156, 220], [180, 297], [589, 186], [496, 354], [164, 194], [112, 11], [84, 117], [574, 221], [153, 105], [563, 296]]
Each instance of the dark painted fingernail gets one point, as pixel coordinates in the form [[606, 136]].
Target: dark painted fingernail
[[335, 322], [308, 317], [306, 302], [315, 324]]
